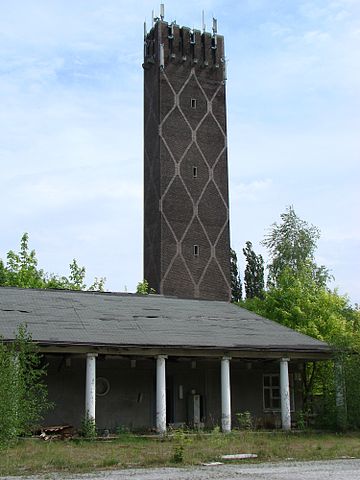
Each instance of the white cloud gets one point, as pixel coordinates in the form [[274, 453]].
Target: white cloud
[[252, 191]]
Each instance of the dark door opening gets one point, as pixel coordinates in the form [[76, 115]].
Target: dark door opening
[[169, 401]]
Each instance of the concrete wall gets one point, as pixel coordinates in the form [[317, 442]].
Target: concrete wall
[[130, 401]]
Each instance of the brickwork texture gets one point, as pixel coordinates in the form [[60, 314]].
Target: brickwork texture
[[186, 210]]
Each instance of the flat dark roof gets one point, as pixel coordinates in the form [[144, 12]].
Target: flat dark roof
[[59, 317]]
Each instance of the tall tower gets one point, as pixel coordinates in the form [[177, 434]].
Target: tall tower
[[186, 207]]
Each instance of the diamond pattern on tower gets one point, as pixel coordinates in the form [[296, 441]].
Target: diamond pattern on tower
[[210, 139], [196, 236], [168, 100], [218, 108], [209, 87], [193, 159], [192, 210], [208, 287], [220, 173], [178, 281], [196, 113], [178, 218], [211, 208], [168, 239], [222, 250], [176, 127], [167, 167]]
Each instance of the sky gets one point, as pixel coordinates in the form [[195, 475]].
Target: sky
[[71, 125]]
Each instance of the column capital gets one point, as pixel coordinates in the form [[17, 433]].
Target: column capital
[[89, 355], [162, 356], [226, 357], [285, 359]]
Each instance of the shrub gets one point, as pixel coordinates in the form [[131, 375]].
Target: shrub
[[244, 420], [23, 395], [88, 427]]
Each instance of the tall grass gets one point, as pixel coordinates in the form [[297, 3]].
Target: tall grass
[[34, 456]]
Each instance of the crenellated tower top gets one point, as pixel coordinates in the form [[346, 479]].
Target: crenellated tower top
[[169, 44]]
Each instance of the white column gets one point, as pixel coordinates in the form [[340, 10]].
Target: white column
[[285, 394], [160, 394], [90, 388], [225, 395]]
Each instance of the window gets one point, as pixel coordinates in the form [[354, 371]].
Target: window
[[195, 172], [193, 103], [102, 386], [271, 391], [196, 250]]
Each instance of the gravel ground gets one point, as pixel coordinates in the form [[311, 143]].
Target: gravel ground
[[329, 470]]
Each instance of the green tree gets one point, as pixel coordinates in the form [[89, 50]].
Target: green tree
[[236, 285], [299, 297], [298, 303], [291, 245], [23, 395], [254, 273], [21, 270]]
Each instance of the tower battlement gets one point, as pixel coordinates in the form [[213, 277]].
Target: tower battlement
[[169, 44]]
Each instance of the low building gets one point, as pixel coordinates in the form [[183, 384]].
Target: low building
[[148, 361]]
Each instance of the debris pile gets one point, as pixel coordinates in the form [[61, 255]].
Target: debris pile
[[61, 432]]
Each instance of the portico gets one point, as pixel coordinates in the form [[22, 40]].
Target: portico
[[146, 362], [152, 392]]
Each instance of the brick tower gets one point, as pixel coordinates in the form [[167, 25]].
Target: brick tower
[[186, 213]]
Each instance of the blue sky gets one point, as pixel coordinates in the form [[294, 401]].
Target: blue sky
[[71, 127]]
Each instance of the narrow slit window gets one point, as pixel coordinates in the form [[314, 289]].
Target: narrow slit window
[[195, 172], [193, 103], [196, 250]]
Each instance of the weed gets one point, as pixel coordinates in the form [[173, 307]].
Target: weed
[[109, 462], [121, 430], [88, 427], [244, 420], [181, 440]]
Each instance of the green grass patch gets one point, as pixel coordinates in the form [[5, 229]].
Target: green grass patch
[[33, 456]]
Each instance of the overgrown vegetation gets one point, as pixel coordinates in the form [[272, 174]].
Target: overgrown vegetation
[[143, 288], [298, 295], [88, 427], [35, 456], [21, 270], [23, 395], [244, 420]]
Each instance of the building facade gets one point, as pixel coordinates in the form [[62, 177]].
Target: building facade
[[186, 207], [149, 361]]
